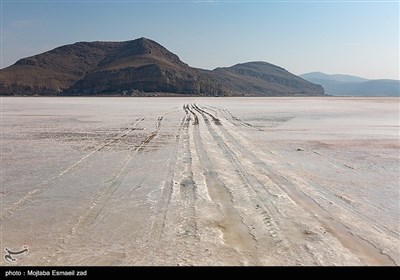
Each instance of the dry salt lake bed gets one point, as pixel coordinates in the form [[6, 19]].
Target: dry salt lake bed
[[200, 181]]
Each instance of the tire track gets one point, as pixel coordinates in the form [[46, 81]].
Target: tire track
[[195, 118], [174, 223], [235, 233], [201, 111], [229, 116], [366, 251], [251, 186], [346, 204], [91, 213], [48, 184], [188, 186], [158, 224], [111, 186], [325, 193], [184, 180]]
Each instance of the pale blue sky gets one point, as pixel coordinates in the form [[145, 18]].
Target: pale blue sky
[[346, 37]]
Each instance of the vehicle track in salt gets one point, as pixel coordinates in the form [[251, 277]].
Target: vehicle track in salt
[[160, 215], [363, 249], [346, 204], [90, 214], [229, 116], [111, 186], [174, 222], [50, 183], [236, 233], [325, 193], [187, 184], [252, 186], [180, 180], [195, 118]]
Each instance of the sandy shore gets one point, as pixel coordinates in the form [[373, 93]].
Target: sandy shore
[[201, 181]]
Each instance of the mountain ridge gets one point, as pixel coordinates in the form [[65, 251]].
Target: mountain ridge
[[336, 77], [141, 65], [348, 85]]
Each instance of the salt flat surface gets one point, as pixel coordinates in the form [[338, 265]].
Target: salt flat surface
[[200, 181]]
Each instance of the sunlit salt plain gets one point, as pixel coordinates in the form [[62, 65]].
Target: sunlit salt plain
[[200, 181]]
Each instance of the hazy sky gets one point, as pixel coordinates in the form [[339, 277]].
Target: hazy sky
[[346, 37]]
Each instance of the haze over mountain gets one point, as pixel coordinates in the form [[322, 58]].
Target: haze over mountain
[[347, 85], [142, 65]]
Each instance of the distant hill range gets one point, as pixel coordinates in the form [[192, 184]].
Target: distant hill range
[[347, 85], [139, 67]]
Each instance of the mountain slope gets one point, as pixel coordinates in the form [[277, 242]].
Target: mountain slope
[[346, 85], [262, 78], [55, 70], [332, 77], [144, 65], [89, 68]]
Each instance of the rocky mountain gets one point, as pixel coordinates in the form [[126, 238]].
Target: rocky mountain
[[262, 78], [53, 71], [138, 66], [347, 85]]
